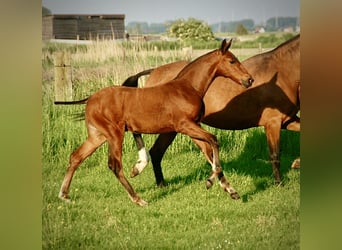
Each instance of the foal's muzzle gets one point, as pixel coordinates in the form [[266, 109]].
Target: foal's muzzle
[[247, 82]]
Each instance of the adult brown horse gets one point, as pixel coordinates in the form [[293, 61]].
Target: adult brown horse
[[273, 102], [174, 106]]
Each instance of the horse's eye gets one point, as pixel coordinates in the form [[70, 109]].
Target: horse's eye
[[232, 61]]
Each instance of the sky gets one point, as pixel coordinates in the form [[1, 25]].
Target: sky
[[159, 11]]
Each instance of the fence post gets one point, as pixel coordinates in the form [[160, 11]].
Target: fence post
[[63, 84]]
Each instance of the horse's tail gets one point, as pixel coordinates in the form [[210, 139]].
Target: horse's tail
[[84, 101], [132, 81]]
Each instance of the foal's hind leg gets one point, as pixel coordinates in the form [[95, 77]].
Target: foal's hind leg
[[115, 164], [143, 156], [76, 158], [199, 134]]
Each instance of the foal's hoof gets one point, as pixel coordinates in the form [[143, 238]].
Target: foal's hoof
[[235, 196], [141, 202], [209, 183], [64, 197]]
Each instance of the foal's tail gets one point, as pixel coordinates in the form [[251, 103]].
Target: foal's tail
[[84, 101], [131, 81]]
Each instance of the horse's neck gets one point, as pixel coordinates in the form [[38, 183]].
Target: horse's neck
[[201, 72]]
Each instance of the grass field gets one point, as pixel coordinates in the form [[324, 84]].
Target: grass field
[[183, 215]]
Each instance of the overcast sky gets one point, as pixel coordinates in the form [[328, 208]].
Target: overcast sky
[[159, 11]]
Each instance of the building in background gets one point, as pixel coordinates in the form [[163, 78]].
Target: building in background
[[83, 27]]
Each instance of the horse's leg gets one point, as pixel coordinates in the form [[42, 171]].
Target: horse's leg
[[273, 139], [76, 158], [157, 152], [115, 164], [208, 153], [197, 133], [143, 156], [294, 126]]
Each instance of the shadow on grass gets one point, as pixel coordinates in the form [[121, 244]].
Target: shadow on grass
[[253, 162]]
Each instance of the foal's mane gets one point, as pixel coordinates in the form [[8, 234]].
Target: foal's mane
[[195, 61]]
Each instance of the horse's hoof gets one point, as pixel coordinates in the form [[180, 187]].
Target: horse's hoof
[[278, 183], [296, 164], [235, 196], [134, 172], [64, 197], [208, 183], [141, 202], [162, 184], [138, 168]]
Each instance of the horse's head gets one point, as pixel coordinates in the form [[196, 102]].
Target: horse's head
[[229, 66]]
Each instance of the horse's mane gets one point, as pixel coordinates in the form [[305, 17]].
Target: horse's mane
[[288, 47]]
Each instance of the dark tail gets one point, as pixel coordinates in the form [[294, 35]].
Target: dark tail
[[132, 81], [84, 101]]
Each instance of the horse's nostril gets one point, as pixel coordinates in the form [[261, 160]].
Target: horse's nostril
[[251, 80]]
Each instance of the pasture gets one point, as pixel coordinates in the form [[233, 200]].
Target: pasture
[[183, 215]]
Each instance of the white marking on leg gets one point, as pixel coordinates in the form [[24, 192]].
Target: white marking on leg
[[143, 160]]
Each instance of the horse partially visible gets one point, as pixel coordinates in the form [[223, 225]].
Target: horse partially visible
[[272, 102], [174, 106]]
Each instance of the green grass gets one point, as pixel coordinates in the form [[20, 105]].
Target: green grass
[[183, 215]]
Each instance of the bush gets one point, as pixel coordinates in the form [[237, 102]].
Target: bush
[[241, 30], [191, 29]]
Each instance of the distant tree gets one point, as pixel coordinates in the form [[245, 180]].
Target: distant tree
[[231, 26], [191, 29], [157, 28], [137, 27], [276, 23], [45, 11], [241, 30]]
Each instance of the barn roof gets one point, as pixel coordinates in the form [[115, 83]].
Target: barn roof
[[77, 16]]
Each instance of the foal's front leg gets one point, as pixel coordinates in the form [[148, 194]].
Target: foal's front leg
[[205, 140]]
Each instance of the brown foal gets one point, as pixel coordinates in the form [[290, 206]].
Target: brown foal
[[174, 106]]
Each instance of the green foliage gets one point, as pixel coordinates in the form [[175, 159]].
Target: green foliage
[[268, 40], [241, 30], [191, 29], [45, 11]]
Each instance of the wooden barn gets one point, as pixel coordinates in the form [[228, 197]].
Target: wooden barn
[[83, 27]]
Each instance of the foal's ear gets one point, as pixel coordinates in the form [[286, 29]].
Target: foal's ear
[[225, 45]]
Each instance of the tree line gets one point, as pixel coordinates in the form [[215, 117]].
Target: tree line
[[272, 24]]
